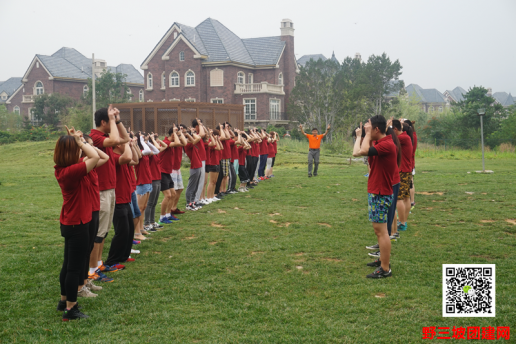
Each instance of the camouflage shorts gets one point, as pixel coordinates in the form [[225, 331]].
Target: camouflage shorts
[[405, 185]]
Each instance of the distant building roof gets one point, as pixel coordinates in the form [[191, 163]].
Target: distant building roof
[[334, 59], [305, 58], [9, 86], [430, 95], [397, 83], [504, 98], [69, 63], [219, 44], [457, 94]]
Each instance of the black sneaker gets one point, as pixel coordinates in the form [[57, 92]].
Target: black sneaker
[[375, 264], [157, 225], [73, 314], [374, 247], [250, 187], [309, 175], [397, 235], [220, 195], [380, 273], [61, 306], [374, 254]]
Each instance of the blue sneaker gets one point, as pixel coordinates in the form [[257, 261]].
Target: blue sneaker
[[172, 218], [366, 175], [402, 227], [164, 221]]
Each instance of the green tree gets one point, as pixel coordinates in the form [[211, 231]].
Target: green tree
[[507, 130], [80, 117], [51, 108], [110, 88], [9, 120]]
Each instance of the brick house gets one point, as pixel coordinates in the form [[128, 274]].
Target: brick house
[[209, 63], [7, 89], [65, 72]]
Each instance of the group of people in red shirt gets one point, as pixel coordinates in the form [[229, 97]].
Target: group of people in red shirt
[[390, 147], [113, 176]]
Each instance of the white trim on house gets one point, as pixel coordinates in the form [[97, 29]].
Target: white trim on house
[[145, 64], [186, 78], [174, 100], [240, 74], [281, 55], [8, 101], [150, 86], [141, 96], [211, 78], [25, 76], [218, 99], [190, 99], [17, 110], [163, 81], [181, 37], [35, 88], [170, 79], [250, 114]]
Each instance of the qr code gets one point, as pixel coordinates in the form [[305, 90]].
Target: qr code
[[469, 290]]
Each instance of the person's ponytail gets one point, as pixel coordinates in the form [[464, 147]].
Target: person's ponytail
[[410, 132], [390, 131]]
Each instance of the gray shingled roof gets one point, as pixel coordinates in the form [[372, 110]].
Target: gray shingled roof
[[334, 59], [69, 63], [10, 86], [504, 98], [457, 93], [430, 95], [220, 44], [305, 58]]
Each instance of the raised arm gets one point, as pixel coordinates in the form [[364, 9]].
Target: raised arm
[[327, 130], [146, 148], [91, 153], [302, 131], [361, 147]]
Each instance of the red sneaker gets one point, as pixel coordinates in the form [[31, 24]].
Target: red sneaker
[[129, 260], [177, 211], [119, 266]]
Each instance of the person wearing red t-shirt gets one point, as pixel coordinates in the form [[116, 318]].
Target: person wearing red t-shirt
[[222, 182], [166, 161], [76, 215], [255, 154], [177, 177], [143, 182], [108, 133], [123, 223], [379, 185], [243, 148], [156, 147], [271, 154], [192, 151], [234, 156], [201, 131], [214, 147], [404, 133], [414, 147], [264, 154]]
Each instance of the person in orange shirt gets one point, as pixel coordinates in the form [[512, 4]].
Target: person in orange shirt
[[314, 144]]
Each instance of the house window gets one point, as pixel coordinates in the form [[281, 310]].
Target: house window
[[190, 100], [216, 77], [190, 78], [440, 109], [250, 109], [39, 88], [431, 109], [129, 94], [250, 78], [163, 81], [174, 79], [85, 90], [37, 64], [174, 100], [149, 81], [182, 56], [140, 96], [240, 78], [280, 79], [175, 34], [4, 97], [16, 109], [274, 109], [217, 101]]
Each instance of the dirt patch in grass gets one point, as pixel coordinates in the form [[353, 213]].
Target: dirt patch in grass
[[324, 224], [299, 254], [484, 193], [272, 221], [299, 267], [216, 225], [434, 201], [256, 252], [164, 239], [430, 193], [354, 200], [511, 221], [237, 208], [286, 224], [189, 238], [275, 214], [487, 221], [213, 242], [221, 211], [380, 295], [469, 193]]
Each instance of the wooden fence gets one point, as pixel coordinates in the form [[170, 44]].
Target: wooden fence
[[158, 117]]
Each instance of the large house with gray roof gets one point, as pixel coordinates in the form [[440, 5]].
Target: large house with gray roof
[[430, 99], [503, 98], [65, 72], [7, 89], [210, 63]]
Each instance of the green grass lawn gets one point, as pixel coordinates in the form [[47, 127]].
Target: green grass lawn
[[285, 263]]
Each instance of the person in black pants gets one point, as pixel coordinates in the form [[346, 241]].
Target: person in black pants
[[76, 215]]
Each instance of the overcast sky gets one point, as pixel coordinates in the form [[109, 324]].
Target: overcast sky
[[440, 43]]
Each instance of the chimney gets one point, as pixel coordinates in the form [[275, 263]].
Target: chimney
[[287, 27], [489, 91], [358, 56]]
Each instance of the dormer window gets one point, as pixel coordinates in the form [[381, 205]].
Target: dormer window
[[182, 56]]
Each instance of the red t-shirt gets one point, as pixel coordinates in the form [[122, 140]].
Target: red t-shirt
[[132, 175], [254, 149], [154, 167], [396, 176], [275, 148], [124, 184], [234, 151], [271, 153], [93, 190], [264, 148], [193, 153], [226, 152], [213, 156], [383, 167], [406, 152], [106, 173], [207, 151], [177, 157], [242, 153], [202, 151], [257, 149], [414, 147], [74, 185], [143, 171], [165, 158]]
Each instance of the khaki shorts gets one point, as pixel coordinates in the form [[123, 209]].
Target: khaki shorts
[[405, 185], [107, 209]]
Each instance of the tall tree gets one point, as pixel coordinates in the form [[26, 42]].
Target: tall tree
[[51, 108], [110, 88]]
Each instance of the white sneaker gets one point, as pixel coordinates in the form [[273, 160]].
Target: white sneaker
[[85, 292], [207, 201], [191, 207], [92, 286], [135, 251], [241, 190], [214, 199]]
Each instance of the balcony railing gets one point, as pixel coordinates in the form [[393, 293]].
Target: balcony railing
[[28, 99], [278, 116], [263, 87]]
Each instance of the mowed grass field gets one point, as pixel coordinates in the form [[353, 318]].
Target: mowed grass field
[[284, 263]]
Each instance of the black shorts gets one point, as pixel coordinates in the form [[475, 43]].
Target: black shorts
[[273, 159], [242, 174], [166, 182], [212, 168]]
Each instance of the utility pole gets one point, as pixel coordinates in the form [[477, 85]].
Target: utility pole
[[94, 105]]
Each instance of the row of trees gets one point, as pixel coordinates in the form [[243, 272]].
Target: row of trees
[[342, 95]]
